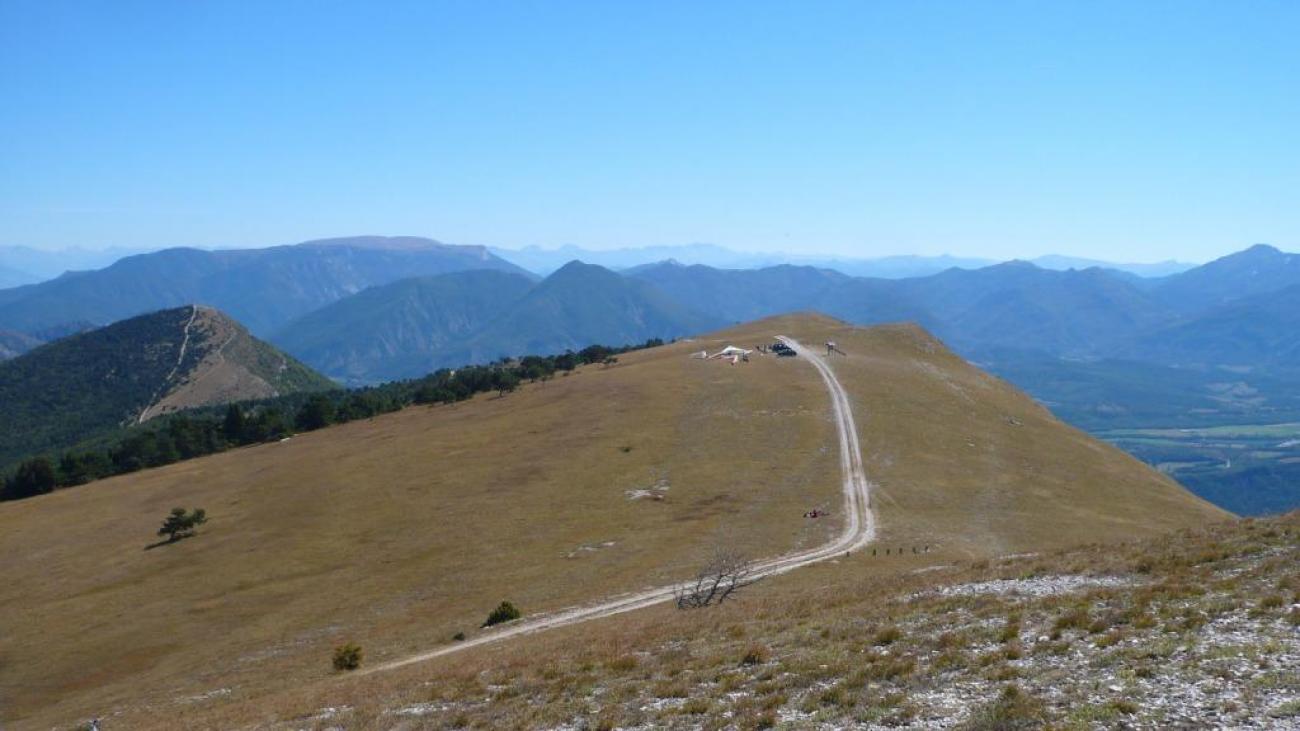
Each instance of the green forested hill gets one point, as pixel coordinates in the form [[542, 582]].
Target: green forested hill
[[410, 327], [13, 344], [400, 330], [578, 305], [87, 384]]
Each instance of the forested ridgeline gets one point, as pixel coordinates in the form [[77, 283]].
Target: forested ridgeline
[[198, 432]]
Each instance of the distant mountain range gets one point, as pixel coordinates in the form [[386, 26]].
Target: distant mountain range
[[1106, 349], [544, 261], [135, 370], [25, 265], [365, 309], [409, 327], [417, 325], [262, 288]]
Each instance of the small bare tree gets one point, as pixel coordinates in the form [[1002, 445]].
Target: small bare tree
[[724, 574]]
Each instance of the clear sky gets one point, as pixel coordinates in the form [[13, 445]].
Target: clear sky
[[1120, 130]]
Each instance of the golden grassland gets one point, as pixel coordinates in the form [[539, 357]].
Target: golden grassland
[[401, 531], [1196, 628], [398, 532]]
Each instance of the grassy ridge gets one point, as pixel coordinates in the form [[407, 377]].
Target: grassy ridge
[[383, 530], [199, 432]]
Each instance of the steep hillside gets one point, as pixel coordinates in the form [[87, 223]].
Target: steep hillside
[[1260, 331], [10, 277], [14, 344], [581, 304], [741, 294], [1255, 271], [399, 532], [403, 329], [262, 288], [744, 294], [1018, 304], [131, 371]]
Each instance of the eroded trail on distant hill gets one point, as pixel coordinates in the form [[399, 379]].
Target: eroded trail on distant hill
[[180, 358], [859, 530]]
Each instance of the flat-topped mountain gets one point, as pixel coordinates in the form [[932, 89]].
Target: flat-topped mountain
[[262, 288]]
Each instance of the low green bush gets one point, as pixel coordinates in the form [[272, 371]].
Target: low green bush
[[347, 657], [505, 612]]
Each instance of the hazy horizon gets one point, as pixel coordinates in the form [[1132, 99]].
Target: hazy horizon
[[1109, 131], [743, 251], [811, 253]]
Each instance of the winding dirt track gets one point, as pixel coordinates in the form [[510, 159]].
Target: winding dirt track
[[859, 530]]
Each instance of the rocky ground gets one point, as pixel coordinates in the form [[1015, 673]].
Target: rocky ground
[[1196, 631]]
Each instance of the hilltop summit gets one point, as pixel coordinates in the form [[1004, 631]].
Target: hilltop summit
[[136, 370]]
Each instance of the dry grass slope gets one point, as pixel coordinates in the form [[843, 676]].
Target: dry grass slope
[[233, 367], [398, 532]]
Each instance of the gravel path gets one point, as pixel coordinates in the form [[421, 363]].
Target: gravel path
[[859, 530]]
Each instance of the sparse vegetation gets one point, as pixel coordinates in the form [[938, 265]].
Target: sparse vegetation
[[887, 636], [725, 574], [1012, 710], [505, 612], [347, 657], [182, 524], [702, 665], [755, 655]]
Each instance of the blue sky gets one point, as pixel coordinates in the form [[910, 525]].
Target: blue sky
[[1127, 130]]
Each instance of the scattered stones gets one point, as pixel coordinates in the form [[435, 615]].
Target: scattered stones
[[588, 548], [1036, 587], [656, 491]]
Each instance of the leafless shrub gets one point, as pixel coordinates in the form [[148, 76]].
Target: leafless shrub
[[725, 574]]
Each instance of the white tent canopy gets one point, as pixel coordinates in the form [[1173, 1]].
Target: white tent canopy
[[730, 351]]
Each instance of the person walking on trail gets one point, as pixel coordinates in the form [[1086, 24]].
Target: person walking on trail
[[831, 348]]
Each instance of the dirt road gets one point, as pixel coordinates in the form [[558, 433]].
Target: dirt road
[[859, 530]]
